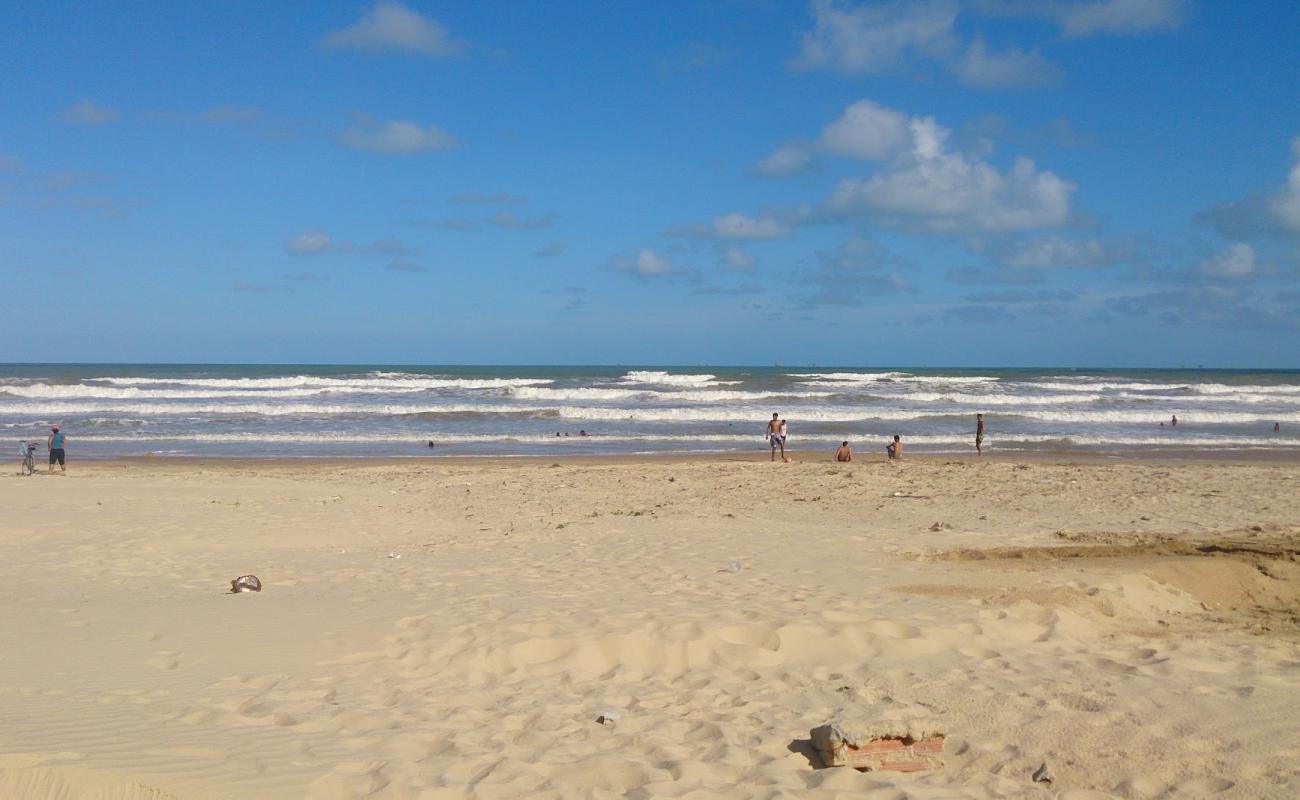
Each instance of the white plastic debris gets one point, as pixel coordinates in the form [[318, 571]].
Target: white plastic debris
[[733, 565], [394, 555], [608, 718], [245, 583]]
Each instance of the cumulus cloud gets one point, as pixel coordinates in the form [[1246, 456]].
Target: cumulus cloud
[[312, 242], [1275, 213], [396, 137], [874, 38], [788, 159], [735, 226], [868, 131], [1235, 262], [1051, 252], [1079, 18], [739, 226], [394, 28], [928, 188], [647, 263], [89, 113], [1011, 68], [1120, 16], [734, 259]]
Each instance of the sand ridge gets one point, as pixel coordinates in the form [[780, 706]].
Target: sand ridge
[[529, 599]]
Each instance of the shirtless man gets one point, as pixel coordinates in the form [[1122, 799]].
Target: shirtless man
[[774, 437], [844, 453], [895, 448], [979, 434]]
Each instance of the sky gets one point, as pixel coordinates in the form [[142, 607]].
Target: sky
[[947, 183]]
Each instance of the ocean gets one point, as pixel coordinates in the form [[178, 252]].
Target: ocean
[[393, 411]]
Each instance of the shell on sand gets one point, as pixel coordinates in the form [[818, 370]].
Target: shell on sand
[[245, 583]]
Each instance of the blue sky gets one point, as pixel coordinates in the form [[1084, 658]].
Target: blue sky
[[990, 182]]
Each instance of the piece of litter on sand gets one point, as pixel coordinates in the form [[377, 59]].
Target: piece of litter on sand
[[607, 718], [394, 555], [938, 526], [1042, 774], [245, 583], [733, 565]]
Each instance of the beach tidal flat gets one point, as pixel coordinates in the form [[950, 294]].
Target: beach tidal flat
[[455, 628]]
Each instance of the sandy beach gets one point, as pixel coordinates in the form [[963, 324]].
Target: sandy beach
[[433, 629]]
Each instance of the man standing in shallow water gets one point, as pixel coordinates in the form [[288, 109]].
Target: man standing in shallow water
[[979, 434]]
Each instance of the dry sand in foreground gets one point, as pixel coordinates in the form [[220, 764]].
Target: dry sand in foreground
[[1134, 626]]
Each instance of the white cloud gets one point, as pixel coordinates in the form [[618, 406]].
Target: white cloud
[[1010, 68], [646, 264], [310, 242], [1286, 205], [392, 27], [788, 159], [739, 226], [872, 39], [735, 259], [1055, 251], [937, 191], [396, 137], [868, 131], [1237, 262], [88, 113], [1120, 16]]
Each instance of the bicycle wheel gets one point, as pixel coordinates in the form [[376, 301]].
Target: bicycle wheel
[[29, 465]]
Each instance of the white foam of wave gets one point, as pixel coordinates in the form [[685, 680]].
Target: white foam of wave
[[851, 414], [84, 392], [648, 395], [890, 377], [666, 378], [1128, 386], [65, 410], [848, 377], [397, 381]]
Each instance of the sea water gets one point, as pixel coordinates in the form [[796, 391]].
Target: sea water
[[386, 411]]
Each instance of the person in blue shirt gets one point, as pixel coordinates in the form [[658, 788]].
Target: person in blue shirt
[[55, 445]]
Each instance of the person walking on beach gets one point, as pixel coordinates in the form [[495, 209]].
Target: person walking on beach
[[774, 436], [844, 453], [55, 445], [979, 434]]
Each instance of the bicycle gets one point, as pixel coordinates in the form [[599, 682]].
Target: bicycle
[[28, 452]]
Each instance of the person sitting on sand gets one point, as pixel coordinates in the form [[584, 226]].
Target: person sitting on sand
[[895, 448], [844, 453]]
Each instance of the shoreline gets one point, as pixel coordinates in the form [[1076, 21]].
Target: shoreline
[[1226, 457]]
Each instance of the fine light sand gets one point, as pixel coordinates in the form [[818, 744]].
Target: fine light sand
[[1134, 626]]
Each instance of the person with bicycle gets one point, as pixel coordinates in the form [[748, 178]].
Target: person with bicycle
[[55, 445]]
